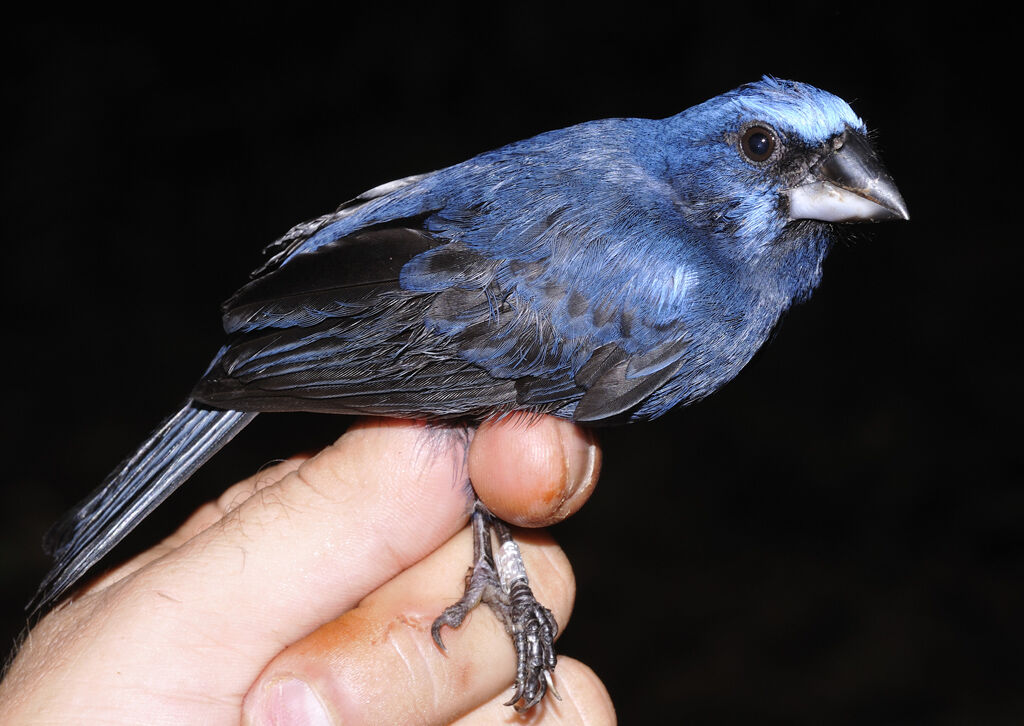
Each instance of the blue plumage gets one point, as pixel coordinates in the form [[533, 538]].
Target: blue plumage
[[604, 272]]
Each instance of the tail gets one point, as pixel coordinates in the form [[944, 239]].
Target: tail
[[171, 454]]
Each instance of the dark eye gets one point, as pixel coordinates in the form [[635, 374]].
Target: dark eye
[[758, 143]]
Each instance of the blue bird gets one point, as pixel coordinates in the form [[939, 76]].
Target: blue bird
[[602, 273]]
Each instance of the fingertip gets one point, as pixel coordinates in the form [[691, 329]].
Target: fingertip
[[285, 700], [584, 700], [587, 698], [533, 470]]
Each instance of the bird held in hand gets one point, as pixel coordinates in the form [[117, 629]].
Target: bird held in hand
[[602, 273]]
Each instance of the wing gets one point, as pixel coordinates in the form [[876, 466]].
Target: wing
[[469, 291], [331, 330], [337, 331]]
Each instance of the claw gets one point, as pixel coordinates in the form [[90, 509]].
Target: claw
[[454, 614], [435, 631], [551, 685]]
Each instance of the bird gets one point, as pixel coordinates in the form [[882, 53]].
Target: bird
[[602, 273]]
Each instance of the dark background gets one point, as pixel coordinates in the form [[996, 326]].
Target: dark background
[[833, 538]]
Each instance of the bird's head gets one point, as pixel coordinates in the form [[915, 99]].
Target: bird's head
[[756, 161]]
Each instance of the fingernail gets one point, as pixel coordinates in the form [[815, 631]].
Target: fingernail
[[287, 702], [580, 452]]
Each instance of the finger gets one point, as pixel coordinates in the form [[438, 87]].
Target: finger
[[297, 553], [532, 470], [378, 663], [585, 701], [204, 517], [236, 495]]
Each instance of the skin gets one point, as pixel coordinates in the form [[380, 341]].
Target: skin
[[311, 586]]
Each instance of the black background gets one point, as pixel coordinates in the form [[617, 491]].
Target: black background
[[834, 537]]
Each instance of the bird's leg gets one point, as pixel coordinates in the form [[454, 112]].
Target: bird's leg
[[500, 582], [533, 627]]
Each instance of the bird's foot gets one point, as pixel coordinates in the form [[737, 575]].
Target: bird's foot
[[533, 630], [501, 583]]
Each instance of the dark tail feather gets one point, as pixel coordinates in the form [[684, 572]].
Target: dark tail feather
[[171, 454]]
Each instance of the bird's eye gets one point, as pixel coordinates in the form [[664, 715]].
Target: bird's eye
[[758, 143]]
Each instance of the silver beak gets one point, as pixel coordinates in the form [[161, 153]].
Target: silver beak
[[848, 185]]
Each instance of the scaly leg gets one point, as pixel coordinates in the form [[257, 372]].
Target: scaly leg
[[501, 583]]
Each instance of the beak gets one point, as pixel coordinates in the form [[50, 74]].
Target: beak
[[848, 185]]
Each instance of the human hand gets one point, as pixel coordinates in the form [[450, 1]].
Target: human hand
[[314, 584]]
